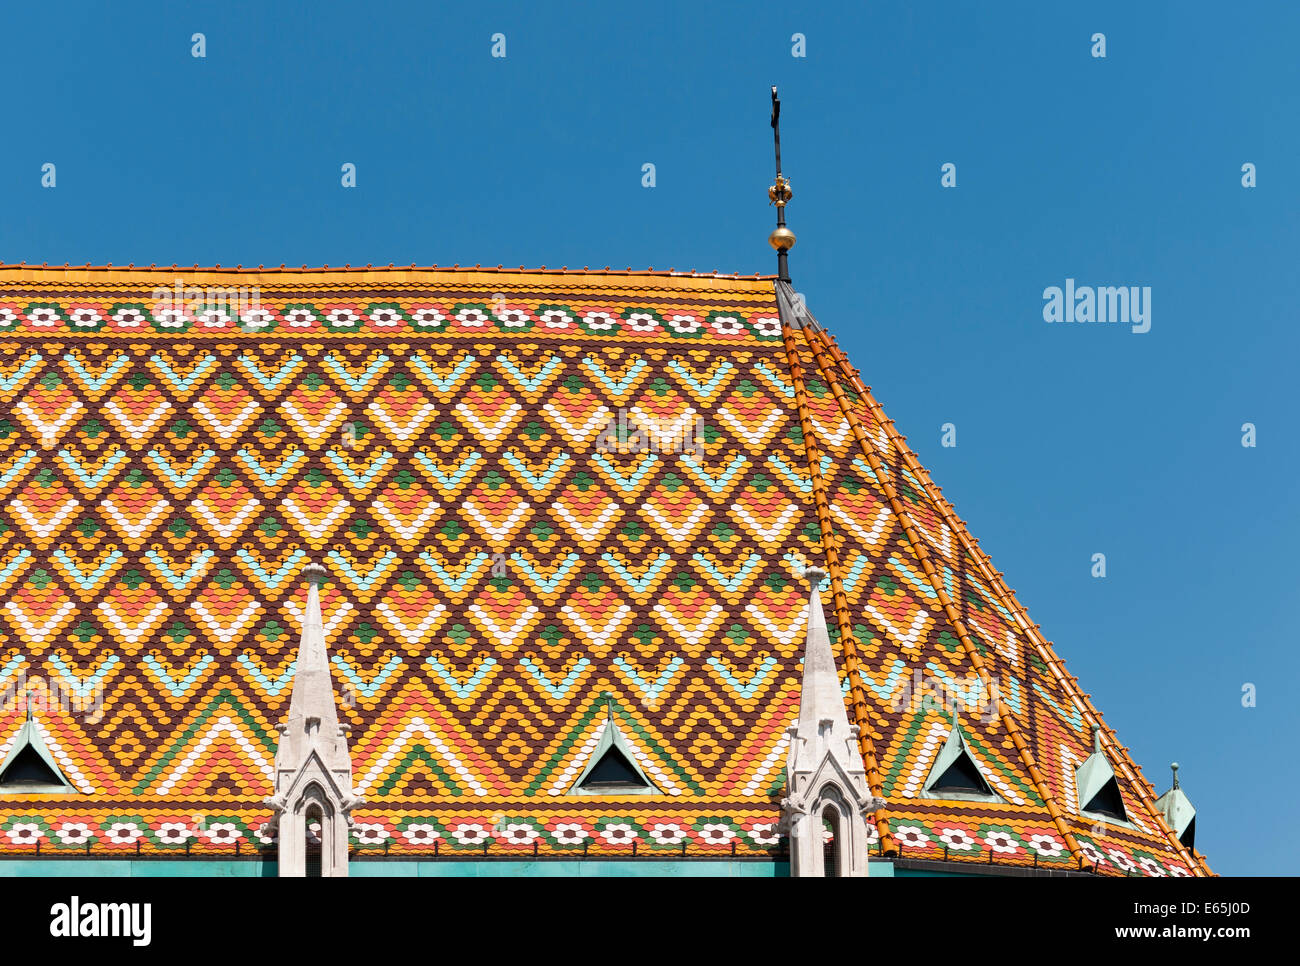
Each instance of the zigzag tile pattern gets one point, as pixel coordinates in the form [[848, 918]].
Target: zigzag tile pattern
[[536, 496]]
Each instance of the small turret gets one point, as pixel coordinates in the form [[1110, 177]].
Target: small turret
[[1178, 811]]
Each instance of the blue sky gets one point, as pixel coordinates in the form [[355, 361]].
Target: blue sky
[[1072, 439]]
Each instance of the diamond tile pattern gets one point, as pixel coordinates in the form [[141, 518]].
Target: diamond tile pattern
[[532, 492]]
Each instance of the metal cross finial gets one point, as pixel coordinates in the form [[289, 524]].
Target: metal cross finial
[[782, 238], [776, 127]]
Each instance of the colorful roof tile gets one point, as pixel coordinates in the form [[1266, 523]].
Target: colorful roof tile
[[546, 500]]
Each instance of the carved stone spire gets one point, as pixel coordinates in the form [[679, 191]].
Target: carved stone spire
[[820, 697], [826, 783], [313, 771], [313, 686]]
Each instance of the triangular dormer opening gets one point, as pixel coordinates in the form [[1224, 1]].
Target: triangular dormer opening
[[612, 768], [1188, 838], [962, 776], [1108, 802], [29, 767], [613, 771], [956, 774], [1098, 788]]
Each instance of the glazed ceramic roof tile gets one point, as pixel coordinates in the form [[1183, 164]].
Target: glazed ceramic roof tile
[[542, 498]]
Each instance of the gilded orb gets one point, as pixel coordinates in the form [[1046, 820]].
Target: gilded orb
[[782, 239]]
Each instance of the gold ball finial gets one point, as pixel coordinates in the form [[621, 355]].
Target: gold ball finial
[[782, 239]]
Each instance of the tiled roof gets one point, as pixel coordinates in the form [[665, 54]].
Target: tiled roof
[[435, 437]]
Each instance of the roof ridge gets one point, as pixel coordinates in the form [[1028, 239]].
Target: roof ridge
[[1007, 597], [843, 620], [922, 553], [391, 266]]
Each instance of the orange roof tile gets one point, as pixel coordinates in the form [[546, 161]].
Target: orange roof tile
[[532, 489]]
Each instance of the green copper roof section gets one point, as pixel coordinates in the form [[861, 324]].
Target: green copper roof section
[[1093, 776], [1178, 810]]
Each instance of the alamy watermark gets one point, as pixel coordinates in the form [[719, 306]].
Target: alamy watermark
[[968, 695], [76, 919], [1124, 304], [639, 433], [37, 696], [215, 304]]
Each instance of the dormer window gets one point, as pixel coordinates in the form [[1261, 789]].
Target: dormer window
[[29, 767], [29, 771], [613, 768], [1098, 789], [956, 775]]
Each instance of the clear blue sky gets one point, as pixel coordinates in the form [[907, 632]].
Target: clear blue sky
[[1072, 440]]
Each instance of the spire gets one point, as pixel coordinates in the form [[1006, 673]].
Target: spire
[[313, 770], [820, 698], [313, 688], [825, 782], [779, 194]]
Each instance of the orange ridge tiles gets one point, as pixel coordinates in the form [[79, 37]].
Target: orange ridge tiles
[[865, 745], [651, 271]]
